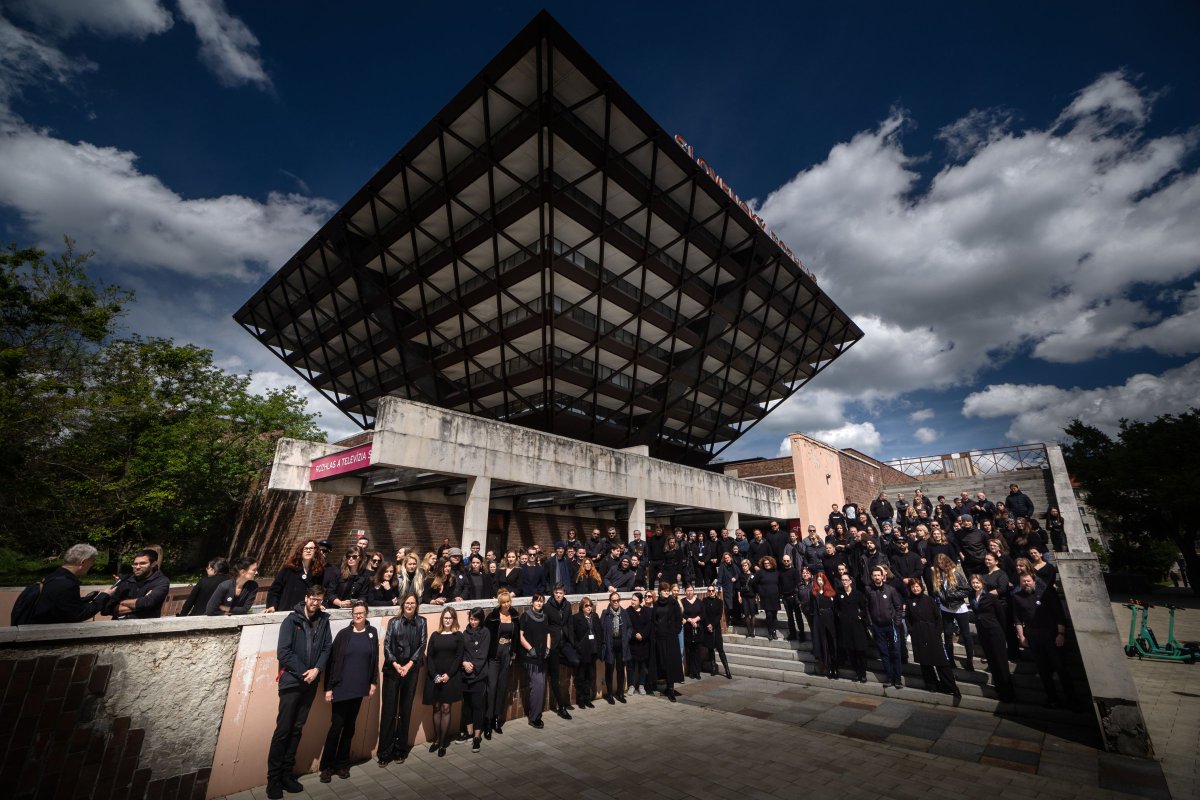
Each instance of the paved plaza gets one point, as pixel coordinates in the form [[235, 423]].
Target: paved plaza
[[749, 738]]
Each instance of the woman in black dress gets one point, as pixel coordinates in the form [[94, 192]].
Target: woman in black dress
[[693, 632], [353, 674], [305, 568], [504, 626], [535, 646], [235, 595], [714, 607], [476, 640], [1043, 570], [991, 622], [383, 590], [588, 639], [851, 607], [639, 643], [766, 588], [746, 601], [666, 661], [443, 680], [824, 625], [924, 621]]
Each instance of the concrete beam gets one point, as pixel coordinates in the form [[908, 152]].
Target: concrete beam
[[420, 436], [732, 521], [1114, 694], [290, 470], [1064, 494], [637, 518], [475, 513]]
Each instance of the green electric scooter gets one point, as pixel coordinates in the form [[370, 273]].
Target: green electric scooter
[[1143, 644]]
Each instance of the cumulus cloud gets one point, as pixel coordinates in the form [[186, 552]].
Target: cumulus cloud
[[1040, 411], [926, 435], [227, 46], [136, 18], [921, 415], [862, 436]]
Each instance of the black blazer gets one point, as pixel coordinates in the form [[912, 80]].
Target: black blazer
[[337, 657]]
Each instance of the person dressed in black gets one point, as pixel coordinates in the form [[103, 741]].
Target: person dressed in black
[[196, 604], [924, 620], [824, 625], [403, 652], [476, 642], [352, 675], [558, 617], [641, 634], [142, 594], [615, 624], [477, 582], [303, 653], [666, 661], [766, 588], [59, 600], [746, 600], [693, 632], [852, 615], [504, 626], [347, 583], [990, 623], [304, 569], [727, 578], [443, 676], [713, 607], [383, 590], [587, 579], [534, 636], [588, 640], [789, 585], [446, 585], [1042, 630], [235, 595]]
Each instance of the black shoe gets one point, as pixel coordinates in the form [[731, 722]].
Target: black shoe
[[475, 746], [384, 757], [609, 698], [274, 791], [463, 737], [563, 713], [898, 685], [568, 707], [433, 747], [590, 704], [441, 752], [498, 727], [620, 698], [292, 785], [728, 676], [537, 723], [671, 696], [326, 776]]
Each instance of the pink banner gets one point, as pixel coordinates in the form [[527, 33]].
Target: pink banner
[[335, 464]]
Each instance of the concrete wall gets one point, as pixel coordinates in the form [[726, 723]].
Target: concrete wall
[[1036, 482], [818, 479]]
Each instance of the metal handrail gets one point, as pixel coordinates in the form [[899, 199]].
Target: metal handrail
[[990, 461]]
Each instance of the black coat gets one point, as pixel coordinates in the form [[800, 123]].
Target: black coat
[[303, 644], [714, 609], [337, 656], [639, 622], [493, 625], [925, 629], [149, 593], [238, 603], [290, 586], [666, 660], [60, 601], [478, 587], [196, 604], [559, 620], [587, 636], [766, 586], [476, 644], [852, 620], [691, 610]]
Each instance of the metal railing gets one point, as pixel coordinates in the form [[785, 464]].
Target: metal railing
[[993, 461]]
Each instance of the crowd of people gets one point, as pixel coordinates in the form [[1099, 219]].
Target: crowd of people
[[907, 579]]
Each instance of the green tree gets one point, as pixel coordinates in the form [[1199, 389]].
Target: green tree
[[120, 442], [1145, 483]]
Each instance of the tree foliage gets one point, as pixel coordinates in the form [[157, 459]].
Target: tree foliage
[[1145, 483], [124, 441]]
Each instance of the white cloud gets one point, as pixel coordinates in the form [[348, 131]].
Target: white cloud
[[965, 137], [136, 18], [926, 435], [227, 46], [1040, 412], [921, 415], [98, 196], [27, 60], [862, 436]]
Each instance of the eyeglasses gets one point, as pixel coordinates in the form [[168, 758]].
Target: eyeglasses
[[376, 560], [352, 558], [359, 614]]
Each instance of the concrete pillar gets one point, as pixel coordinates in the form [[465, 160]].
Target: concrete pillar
[[475, 515], [637, 518], [1064, 495], [732, 521]]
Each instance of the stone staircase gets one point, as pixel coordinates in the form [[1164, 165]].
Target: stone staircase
[[794, 663]]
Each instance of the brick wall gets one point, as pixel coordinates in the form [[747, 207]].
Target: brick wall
[[861, 481], [777, 472], [526, 528], [56, 742]]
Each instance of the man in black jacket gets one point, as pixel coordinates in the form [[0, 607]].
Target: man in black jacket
[[558, 618], [777, 538], [886, 611], [141, 595], [1018, 503], [60, 601], [1042, 630], [303, 652], [881, 509]]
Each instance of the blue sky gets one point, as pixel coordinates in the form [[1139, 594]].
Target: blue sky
[[1005, 199]]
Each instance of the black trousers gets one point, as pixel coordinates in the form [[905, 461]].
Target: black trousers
[[795, 618], [497, 691], [614, 678], [341, 732], [294, 705], [585, 680], [554, 677], [474, 709], [396, 711], [1049, 661]]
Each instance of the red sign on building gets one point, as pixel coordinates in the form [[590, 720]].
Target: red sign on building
[[341, 463]]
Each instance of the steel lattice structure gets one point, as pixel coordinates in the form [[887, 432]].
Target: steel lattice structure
[[543, 253]]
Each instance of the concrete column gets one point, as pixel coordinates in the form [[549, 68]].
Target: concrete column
[[475, 515], [637, 518], [1064, 495], [732, 521]]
